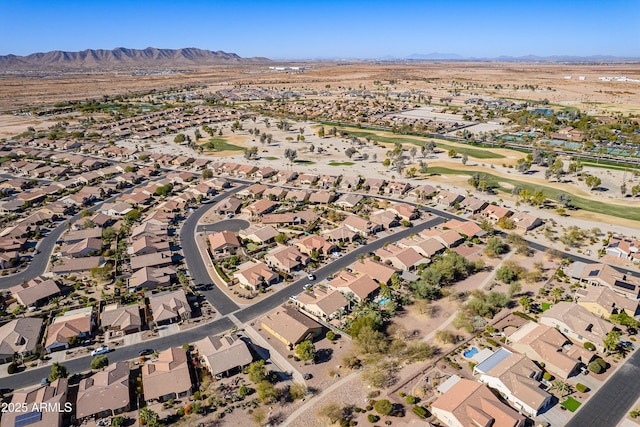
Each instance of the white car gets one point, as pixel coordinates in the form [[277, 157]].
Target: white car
[[311, 276], [100, 350]]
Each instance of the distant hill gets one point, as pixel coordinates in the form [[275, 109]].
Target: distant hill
[[435, 55], [122, 58]]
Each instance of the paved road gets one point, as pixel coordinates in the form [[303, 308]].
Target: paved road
[[33, 376], [609, 405], [196, 265]]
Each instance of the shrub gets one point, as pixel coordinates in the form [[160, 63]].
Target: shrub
[[601, 362], [581, 388], [99, 362], [410, 399], [383, 407], [196, 395], [595, 367], [331, 335], [180, 412], [373, 418], [589, 346], [12, 368], [547, 376], [492, 342], [420, 411]]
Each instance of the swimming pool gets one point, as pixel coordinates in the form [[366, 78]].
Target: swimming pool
[[384, 301], [470, 353]]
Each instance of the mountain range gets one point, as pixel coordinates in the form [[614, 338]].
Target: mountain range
[[123, 58]]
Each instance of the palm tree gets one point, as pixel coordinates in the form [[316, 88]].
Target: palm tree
[[149, 417], [556, 293], [562, 387], [525, 302]]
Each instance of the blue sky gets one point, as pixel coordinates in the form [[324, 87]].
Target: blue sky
[[328, 29]]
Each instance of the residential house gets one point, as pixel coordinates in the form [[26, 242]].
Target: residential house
[[348, 201], [322, 197], [308, 244], [259, 208], [285, 177], [322, 302], [116, 210], [74, 323], [19, 336], [47, 396], [155, 259], [495, 213], [145, 245], [340, 234], [167, 377], [545, 344], [275, 193], [604, 302], [449, 238], [374, 185], [257, 234], [447, 198], [473, 205], [125, 319], [380, 272], [76, 265], [428, 248], [405, 211], [623, 247], [223, 242], [256, 275], [301, 196], [290, 326], [468, 403], [397, 188], [149, 229], [307, 179], [264, 173], [35, 292], [465, 228], [354, 286], [230, 205], [361, 226], [151, 278], [605, 275], [223, 356], [422, 192], [254, 190], [577, 323], [525, 222], [76, 236], [350, 182], [83, 248], [169, 307], [385, 219], [516, 378], [105, 393], [403, 259], [287, 259]]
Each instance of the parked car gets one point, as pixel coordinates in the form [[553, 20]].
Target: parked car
[[145, 352], [100, 350], [307, 286], [311, 276], [44, 381]]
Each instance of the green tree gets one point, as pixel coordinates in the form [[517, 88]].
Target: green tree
[[58, 371], [383, 407], [593, 182], [612, 340], [321, 132], [180, 138], [149, 418], [306, 350], [267, 393], [207, 173], [99, 362], [495, 247], [257, 372], [525, 302], [452, 153], [281, 238]]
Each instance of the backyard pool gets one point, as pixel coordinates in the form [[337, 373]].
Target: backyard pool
[[384, 301], [470, 353]]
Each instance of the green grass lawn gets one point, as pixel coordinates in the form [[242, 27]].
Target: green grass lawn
[[304, 162], [626, 212], [545, 306], [252, 247], [271, 158], [571, 404], [341, 163], [220, 144], [478, 153]]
